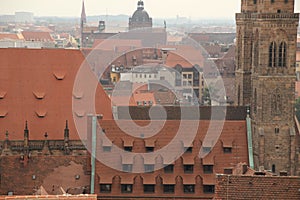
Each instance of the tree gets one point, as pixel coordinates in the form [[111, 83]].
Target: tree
[[297, 107]]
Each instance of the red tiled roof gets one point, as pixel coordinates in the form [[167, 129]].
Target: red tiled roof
[[257, 187], [298, 56], [232, 129], [52, 197], [37, 36], [186, 56], [31, 91], [9, 36]]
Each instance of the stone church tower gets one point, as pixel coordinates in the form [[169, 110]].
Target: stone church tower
[[265, 79]]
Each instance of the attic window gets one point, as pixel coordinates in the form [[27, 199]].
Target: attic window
[[80, 113], [59, 75], [3, 113], [227, 149], [188, 149], [41, 113], [78, 95], [227, 171], [208, 189], [2, 94], [208, 169], [39, 95]]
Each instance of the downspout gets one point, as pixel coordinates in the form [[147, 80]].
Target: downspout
[[249, 138], [94, 138]]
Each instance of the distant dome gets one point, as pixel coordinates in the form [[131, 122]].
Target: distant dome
[[140, 18], [140, 15]]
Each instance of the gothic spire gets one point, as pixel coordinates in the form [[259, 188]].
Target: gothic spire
[[83, 15]]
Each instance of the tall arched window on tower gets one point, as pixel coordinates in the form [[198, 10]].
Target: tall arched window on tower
[[255, 50], [239, 47], [272, 54], [255, 101], [276, 106], [282, 55]]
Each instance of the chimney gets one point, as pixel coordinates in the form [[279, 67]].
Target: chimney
[[101, 26], [244, 168], [260, 173], [283, 173]]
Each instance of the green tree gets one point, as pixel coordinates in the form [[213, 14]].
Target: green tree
[[297, 106]]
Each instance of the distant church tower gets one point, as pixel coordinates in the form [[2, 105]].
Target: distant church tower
[[140, 18], [82, 21], [265, 79]]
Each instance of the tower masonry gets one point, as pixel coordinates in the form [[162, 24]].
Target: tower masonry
[[265, 80]]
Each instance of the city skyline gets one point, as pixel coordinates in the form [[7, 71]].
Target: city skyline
[[72, 8]]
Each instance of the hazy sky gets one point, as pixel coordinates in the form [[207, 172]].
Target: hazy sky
[[156, 8]]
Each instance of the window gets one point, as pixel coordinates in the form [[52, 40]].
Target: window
[[169, 188], [255, 101], [188, 149], [227, 171], [149, 168], [105, 188], [254, 1], [169, 169], [276, 130], [227, 149], [188, 169], [107, 149], [208, 189], [273, 168], [286, 1], [282, 55], [272, 1], [149, 188], [276, 103], [127, 167], [206, 149], [272, 55], [128, 148], [189, 188], [149, 149], [126, 188], [208, 169]]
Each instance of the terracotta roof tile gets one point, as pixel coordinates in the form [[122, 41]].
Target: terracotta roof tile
[[37, 36], [9, 36], [29, 91], [257, 187]]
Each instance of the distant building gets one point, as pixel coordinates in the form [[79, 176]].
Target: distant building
[[140, 18], [23, 17]]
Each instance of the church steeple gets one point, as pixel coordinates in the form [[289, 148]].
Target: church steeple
[[26, 139], [83, 15], [265, 80]]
